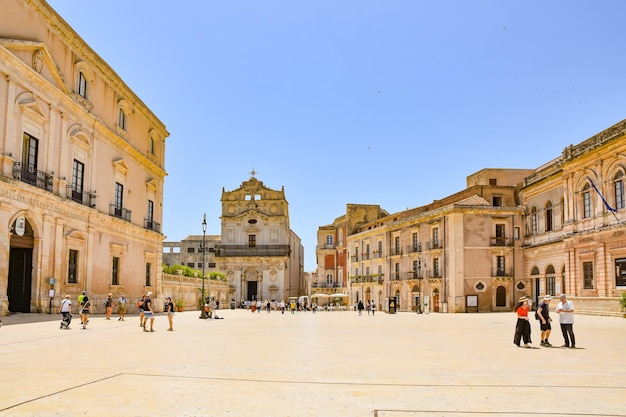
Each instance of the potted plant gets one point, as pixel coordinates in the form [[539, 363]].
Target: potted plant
[[179, 304], [622, 304]]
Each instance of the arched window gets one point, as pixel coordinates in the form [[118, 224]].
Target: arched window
[[618, 186], [586, 201], [500, 296], [548, 215], [122, 120], [82, 85], [550, 280]]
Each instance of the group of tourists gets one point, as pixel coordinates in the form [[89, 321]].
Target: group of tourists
[[565, 310], [145, 307]]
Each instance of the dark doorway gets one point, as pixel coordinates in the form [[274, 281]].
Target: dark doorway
[[252, 290], [20, 280]]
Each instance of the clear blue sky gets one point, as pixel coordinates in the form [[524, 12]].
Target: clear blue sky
[[356, 101]]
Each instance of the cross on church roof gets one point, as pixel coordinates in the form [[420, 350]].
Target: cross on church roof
[[253, 172]]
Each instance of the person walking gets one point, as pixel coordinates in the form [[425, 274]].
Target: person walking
[[169, 309], [140, 309], [84, 309], [108, 304], [80, 304], [373, 307], [66, 310], [522, 327], [121, 307], [565, 309], [148, 312], [543, 312], [360, 307]]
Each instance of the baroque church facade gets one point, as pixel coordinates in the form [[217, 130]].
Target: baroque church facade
[[262, 258], [81, 169]]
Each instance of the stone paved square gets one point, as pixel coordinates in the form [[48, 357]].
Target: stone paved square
[[324, 364]]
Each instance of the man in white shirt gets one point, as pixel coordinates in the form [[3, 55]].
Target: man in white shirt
[[565, 309]]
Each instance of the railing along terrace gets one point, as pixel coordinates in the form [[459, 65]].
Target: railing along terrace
[[258, 250], [32, 176], [413, 248]]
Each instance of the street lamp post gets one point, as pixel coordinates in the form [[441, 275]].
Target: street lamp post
[[203, 248], [418, 271]]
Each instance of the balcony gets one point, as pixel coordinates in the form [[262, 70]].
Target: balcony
[[433, 273], [501, 241], [33, 177], [435, 244], [245, 250], [152, 225], [395, 251], [502, 272], [412, 275], [376, 278], [326, 285], [414, 248], [119, 212], [354, 258], [81, 197]]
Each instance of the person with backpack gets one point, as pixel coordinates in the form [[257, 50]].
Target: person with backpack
[[108, 304], [543, 314], [66, 310]]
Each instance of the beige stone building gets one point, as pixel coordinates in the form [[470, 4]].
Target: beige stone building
[[461, 253], [261, 256], [81, 169], [558, 228], [575, 236]]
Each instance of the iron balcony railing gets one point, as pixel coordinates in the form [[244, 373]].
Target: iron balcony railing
[[502, 272], [258, 250], [501, 241], [119, 212], [435, 244], [32, 176], [82, 197], [414, 248], [152, 225]]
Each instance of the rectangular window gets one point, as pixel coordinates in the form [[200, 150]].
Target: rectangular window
[[496, 201], [516, 233], [500, 265], [211, 264], [251, 241], [416, 242], [620, 272], [199, 265], [436, 237], [397, 245], [380, 247], [190, 264], [82, 85], [150, 213], [436, 272], [78, 173], [119, 199], [191, 250], [329, 240], [500, 235], [148, 269], [115, 279], [72, 267], [588, 275]]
